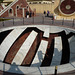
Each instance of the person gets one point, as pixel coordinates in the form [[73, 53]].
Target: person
[[47, 13], [30, 14], [53, 17], [33, 13], [27, 14]]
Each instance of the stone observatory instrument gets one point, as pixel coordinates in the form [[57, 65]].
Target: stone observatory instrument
[[67, 7]]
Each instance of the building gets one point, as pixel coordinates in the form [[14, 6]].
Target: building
[[57, 8], [17, 8], [1, 8], [39, 1], [7, 2]]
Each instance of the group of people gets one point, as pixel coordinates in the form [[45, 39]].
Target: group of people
[[46, 13], [29, 14]]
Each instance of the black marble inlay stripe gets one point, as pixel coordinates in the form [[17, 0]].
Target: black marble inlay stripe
[[32, 51], [3, 35], [49, 53], [15, 47], [65, 49]]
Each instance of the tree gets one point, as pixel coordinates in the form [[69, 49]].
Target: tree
[[1, 1]]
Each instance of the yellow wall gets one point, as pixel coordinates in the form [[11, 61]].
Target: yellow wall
[[8, 0], [52, 7], [41, 7]]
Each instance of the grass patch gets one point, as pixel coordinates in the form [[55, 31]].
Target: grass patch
[[3, 19]]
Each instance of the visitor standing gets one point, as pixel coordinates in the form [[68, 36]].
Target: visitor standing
[[27, 14], [30, 14], [47, 13]]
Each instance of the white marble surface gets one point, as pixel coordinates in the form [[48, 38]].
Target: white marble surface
[[66, 68], [8, 41], [53, 29], [40, 70], [26, 70], [46, 32], [18, 59], [36, 70], [72, 48], [40, 54], [57, 51]]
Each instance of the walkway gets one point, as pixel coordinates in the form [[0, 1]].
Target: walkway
[[38, 19]]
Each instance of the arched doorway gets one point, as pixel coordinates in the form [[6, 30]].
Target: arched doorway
[[17, 10], [10, 12]]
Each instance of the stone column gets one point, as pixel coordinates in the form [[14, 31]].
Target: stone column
[[16, 12], [23, 12]]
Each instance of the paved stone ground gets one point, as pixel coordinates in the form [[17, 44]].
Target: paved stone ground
[[39, 19], [68, 73]]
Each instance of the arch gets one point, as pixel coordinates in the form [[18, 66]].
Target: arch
[[27, 7], [0, 10], [10, 12], [17, 7]]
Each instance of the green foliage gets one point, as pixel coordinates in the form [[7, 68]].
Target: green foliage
[[2, 19], [1, 1], [8, 3], [38, 0]]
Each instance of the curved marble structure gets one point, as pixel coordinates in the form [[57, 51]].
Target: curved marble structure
[[67, 7], [37, 49]]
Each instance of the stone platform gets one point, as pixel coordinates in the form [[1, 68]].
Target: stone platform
[[37, 49]]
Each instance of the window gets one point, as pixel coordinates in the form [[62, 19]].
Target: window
[[10, 10], [17, 7]]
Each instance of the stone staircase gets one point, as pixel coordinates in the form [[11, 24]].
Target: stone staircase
[[8, 7]]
